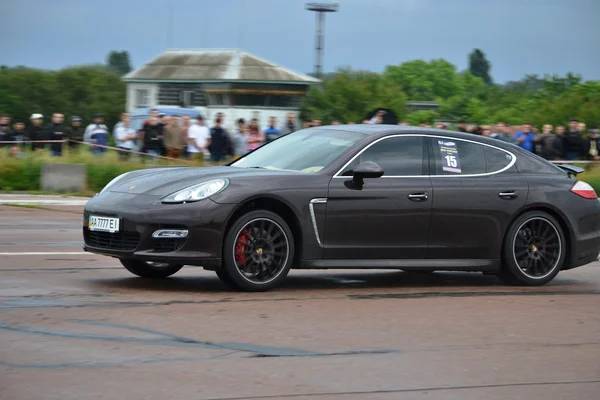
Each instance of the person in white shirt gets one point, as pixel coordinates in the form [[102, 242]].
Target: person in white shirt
[[198, 136], [125, 136]]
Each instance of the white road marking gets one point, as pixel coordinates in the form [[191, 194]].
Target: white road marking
[[45, 202], [47, 253]]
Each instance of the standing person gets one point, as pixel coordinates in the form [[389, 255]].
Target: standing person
[[198, 135], [255, 137], [290, 124], [217, 142], [153, 132], [172, 138], [272, 132], [574, 143], [96, 134], [526, 138], [593, 145], [239, 139], [18, 135], [551, 146], [462, 126], [5, 133], [56, 131], [36, 132], [75, 133], [125, 137], [560, 140], [185, 127]]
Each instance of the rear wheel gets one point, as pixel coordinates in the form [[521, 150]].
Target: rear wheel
[[258, 252], [534, 250], [148, 269]]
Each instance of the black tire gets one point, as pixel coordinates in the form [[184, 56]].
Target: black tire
[[536, 241], [232, 276], [224, 277], [145, 270]]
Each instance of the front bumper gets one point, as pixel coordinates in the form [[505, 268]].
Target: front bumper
[[141, 215]]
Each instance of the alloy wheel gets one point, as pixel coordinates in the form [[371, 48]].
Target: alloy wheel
[[261, 250], [537, 248]]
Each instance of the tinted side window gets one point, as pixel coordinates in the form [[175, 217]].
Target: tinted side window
[[532, 165], [456, 157], [398, 156], [496, 159]]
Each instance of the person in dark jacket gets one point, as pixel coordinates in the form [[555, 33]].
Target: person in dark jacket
[[574, 143], [36, 132], [75, 132], [56, 131], [550, 144], [218, 142], [153, 136], [18, 135], [290, 124]]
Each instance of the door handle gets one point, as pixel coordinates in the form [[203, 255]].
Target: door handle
[[417, 196], [508, 195]]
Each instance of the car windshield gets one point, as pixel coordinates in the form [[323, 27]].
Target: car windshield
[[306, 150]]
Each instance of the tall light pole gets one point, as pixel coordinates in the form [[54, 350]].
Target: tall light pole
[[320, 9]]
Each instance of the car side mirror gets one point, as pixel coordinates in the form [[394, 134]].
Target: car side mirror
[[367, 169]]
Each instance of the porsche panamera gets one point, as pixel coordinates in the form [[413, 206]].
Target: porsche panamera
[[352, 196]]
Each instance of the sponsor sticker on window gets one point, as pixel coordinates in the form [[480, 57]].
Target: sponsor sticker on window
[[450, 159]]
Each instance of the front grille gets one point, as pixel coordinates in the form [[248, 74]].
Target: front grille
[[168, 245], [114, 241]]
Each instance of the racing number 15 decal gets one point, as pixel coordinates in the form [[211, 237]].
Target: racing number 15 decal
[[450, 159]]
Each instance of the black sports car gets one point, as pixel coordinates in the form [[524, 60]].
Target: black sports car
[[353, 196]]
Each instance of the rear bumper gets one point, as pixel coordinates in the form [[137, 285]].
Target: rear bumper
[[585, 251], [585, 243]]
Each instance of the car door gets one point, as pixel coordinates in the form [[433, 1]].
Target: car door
[[388, 217], [477, 191]]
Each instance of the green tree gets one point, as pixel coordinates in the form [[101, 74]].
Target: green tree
[[479, 66], [421, 117], [350, 95], [118, 62], [80, 91], [422, 80]]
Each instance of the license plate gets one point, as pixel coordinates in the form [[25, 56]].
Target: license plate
[[103, 224]]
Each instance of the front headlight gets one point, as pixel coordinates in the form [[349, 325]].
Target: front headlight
[[197, 192], [115, 180]]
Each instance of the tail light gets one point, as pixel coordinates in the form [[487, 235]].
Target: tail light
[[584, 190]]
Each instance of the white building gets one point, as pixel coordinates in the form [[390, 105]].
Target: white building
[[236, 83]]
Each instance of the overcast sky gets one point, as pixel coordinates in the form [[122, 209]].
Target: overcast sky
[[518, 36]]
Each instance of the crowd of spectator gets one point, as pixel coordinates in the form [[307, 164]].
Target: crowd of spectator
[[181, 137], [171, 136]]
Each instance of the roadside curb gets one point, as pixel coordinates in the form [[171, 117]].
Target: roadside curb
[[42, 200]]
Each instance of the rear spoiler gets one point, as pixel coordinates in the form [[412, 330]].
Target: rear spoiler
[[571, 170]]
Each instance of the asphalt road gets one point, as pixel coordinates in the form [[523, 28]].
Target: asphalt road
[[78, 326]]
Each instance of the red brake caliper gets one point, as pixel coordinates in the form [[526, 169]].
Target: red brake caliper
[[240, 248]]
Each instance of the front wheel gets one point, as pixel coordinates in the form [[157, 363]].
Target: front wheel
[[148, 269], [258, 252], [534, 250]]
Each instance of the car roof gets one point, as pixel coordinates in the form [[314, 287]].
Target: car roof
[[383, 130]]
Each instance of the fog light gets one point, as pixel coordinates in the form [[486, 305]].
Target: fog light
[[170, 233]]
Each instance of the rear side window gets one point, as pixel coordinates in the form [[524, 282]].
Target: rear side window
[[397, 155], [457, 157], [530, 164], [496, 159]]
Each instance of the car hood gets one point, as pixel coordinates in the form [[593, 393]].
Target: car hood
[[164, 181]]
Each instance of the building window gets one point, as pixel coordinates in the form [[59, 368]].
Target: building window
[[257, 100], [142, 98]]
